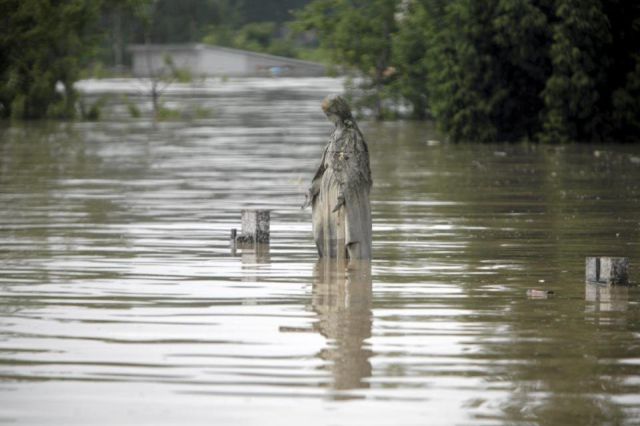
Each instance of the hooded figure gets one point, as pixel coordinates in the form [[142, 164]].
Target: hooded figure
[[339, 192]]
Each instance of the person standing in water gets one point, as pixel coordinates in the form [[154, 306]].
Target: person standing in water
[[339, 191]]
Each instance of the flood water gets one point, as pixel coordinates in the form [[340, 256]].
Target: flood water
[[121, 303]]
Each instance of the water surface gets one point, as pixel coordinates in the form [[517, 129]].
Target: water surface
[[121, 303]]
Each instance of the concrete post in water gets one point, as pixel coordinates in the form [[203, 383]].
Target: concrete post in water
[[255, 227], [607, 270]]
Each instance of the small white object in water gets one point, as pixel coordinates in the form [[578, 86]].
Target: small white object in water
[[535, 293]]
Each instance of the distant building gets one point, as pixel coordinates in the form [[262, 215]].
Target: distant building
[[205, 60]]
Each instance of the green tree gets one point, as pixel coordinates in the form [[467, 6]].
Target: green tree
[[43, 43], [579, 58], [624, 70], [189, 20], [521, 46], [118, 23], [626, 107], [463, 85], [409, 51], [278, 11], [485, 63], [509, 70], [357, 34], [256, 35]]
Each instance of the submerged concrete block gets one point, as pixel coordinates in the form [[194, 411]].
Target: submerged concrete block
[[607, 270], [255, 227]]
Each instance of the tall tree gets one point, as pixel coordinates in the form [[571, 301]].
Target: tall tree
[[566, 70], [409, 50], [624, 70], [277, 11], [188, 20], [626, 106], [42, 44], [581, 38], [485, 64], [463, 83], [357, 34], [118, 21], [521, 47]]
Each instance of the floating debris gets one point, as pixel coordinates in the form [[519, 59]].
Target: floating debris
[[535, 293]]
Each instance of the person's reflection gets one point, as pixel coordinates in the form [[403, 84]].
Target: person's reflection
[[342, 299]]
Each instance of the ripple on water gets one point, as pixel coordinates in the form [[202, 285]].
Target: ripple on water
[[121, 300]]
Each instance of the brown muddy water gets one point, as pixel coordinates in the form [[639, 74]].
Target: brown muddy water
[[120, 302]]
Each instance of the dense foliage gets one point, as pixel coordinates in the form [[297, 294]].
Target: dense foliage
[[46, 45], [356, 33], [507, 70], [42, 44], [484, 70]]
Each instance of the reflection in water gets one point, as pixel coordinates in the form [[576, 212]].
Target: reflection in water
[[252, 254], [342, 300], [254, 257], [607, 298]]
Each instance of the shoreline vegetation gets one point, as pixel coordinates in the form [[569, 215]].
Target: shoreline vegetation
[[483, 71]]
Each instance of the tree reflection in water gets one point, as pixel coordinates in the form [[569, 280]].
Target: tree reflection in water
[[342, 299]]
